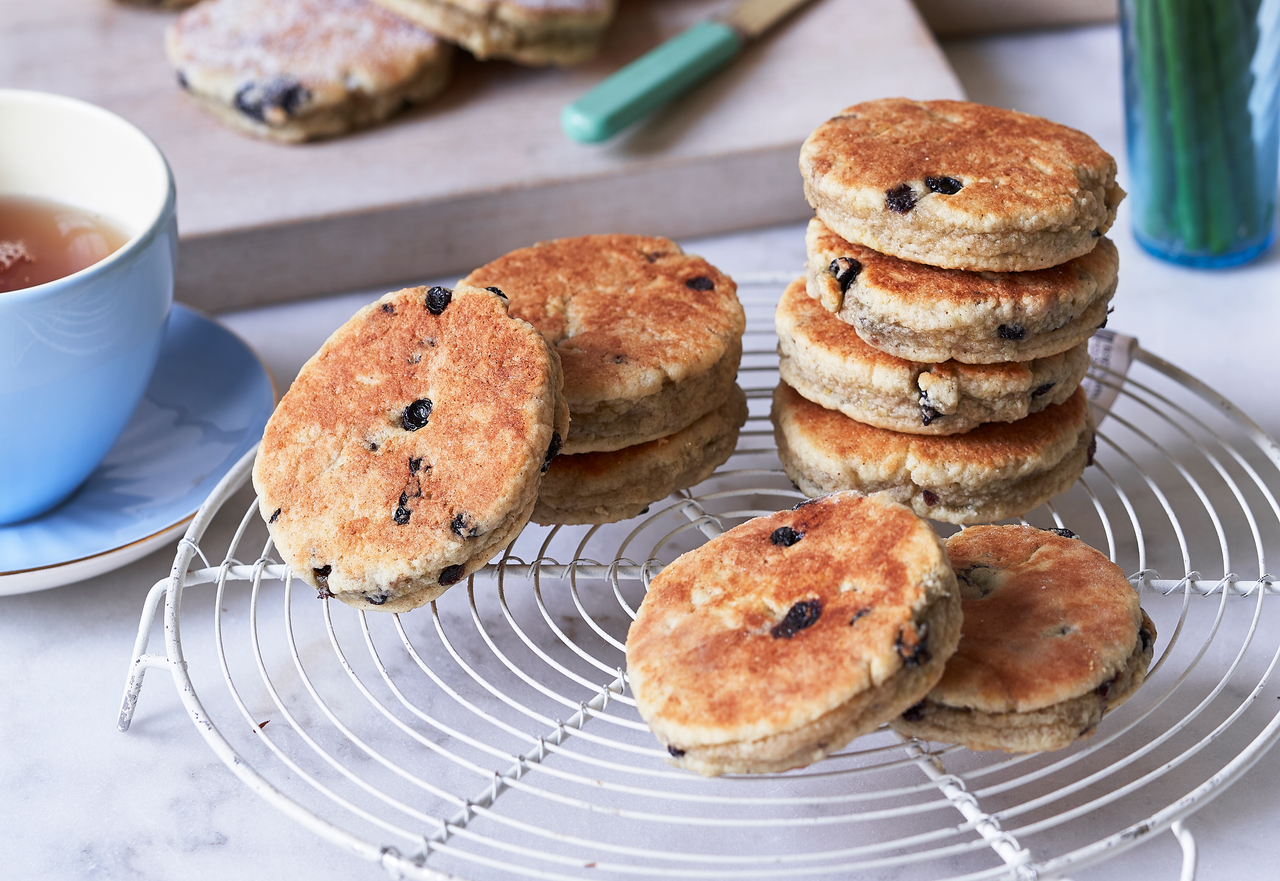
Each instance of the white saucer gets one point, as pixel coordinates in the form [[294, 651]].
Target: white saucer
[[206, 406]]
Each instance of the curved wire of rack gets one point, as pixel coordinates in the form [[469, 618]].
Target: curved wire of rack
[[492, 735]]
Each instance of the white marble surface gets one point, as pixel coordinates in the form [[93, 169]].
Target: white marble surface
[[80, 800]]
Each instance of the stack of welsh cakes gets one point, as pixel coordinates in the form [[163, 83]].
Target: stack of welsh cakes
[[649, 339], [956, 270]]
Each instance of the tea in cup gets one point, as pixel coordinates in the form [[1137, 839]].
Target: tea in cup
[[78, 343], [43, 241]]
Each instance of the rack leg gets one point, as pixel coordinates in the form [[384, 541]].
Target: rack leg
[[141, 660], [1188, 843]]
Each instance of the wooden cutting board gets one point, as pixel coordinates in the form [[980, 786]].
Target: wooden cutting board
[[485, 168]]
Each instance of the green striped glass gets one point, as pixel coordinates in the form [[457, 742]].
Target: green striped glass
[[1202, 107]]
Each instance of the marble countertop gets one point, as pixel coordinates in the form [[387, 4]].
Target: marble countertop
[[78, 799]]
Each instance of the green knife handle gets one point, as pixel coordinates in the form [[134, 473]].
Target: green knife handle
[[650, 81]]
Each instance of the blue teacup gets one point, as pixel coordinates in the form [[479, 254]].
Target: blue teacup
[[76, 353]]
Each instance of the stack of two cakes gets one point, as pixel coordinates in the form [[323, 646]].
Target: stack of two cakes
[[649, 339], [956, 270]]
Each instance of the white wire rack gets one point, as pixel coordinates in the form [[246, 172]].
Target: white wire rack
[[491, 735]]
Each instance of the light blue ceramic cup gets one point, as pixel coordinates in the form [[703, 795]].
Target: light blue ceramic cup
[[76, 353]]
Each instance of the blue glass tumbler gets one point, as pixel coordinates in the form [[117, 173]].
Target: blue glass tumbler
[[1202, 108]]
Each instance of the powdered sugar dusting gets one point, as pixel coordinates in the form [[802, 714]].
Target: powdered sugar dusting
[[313, 40]]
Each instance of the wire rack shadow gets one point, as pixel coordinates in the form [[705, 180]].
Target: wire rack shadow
[[492, 735]]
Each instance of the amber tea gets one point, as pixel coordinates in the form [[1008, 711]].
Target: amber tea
[[42, 240]]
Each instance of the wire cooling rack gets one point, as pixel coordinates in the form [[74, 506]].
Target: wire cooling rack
[[491, 735]]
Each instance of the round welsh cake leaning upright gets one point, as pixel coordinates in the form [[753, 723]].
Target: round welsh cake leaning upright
[[411, 447]]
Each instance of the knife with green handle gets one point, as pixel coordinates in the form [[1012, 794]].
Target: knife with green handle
[[669, 70]]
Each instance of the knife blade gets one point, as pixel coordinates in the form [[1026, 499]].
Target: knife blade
[[669, 70]]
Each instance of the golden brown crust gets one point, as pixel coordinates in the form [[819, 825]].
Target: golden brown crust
[[383, 500], [859, 715], [777, 623], [799, 312], [927, 291], [649, 336], [1006, 160], [985, 452], [1046, 618], [609, 486], [825, 359], [924, 313], [1053, 727], [1053, 638], [1031, 193], [997, 470]]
